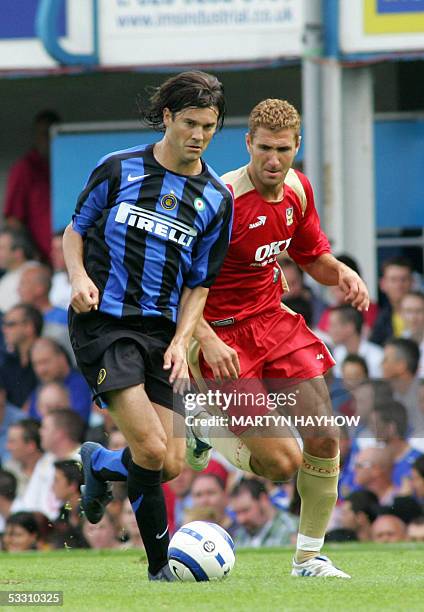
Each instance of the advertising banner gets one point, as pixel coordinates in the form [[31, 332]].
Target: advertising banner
[[155, 32], [20, 49], [374, 26], [161, 32]]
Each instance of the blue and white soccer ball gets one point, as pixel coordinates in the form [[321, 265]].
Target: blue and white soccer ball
[[201, 551]]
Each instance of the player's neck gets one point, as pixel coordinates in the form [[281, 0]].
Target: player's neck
[[269, 193], [166, 157]]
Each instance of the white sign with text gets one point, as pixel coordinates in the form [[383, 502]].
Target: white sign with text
[[166, 32]]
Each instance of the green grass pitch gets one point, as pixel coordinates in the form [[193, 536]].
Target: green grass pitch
[[384, 577]]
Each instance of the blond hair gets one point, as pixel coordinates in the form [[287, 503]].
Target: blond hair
[[274, 114]]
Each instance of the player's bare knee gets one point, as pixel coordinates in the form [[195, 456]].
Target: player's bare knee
[[172, 468], [322, 446], [287, 467], [149, 452], [280, 467]]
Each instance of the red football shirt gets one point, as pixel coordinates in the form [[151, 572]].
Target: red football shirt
[[250, 281], [28, 198]]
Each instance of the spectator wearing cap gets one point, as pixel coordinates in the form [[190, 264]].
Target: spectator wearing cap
[[21, 325], [9, 415], [51, 364], [261, 524]]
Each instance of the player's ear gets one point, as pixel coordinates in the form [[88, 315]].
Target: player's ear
[[249, 142], [299, 142], [167, 117]]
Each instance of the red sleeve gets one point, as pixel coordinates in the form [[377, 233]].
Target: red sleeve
[[16, 190], [231, 188], [309, 241]]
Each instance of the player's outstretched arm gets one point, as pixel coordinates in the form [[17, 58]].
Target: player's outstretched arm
[[221, 358], [191, 307], [85, 295], [327, 270]]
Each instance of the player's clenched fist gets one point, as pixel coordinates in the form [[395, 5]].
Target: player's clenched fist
[[85, 295]]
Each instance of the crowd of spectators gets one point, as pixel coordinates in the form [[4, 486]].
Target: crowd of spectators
[[46, 410]]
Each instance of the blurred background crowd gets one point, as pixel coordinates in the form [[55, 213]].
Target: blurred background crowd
[[46, 409]]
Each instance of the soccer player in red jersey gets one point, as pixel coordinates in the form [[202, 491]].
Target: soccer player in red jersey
[[247, 333]]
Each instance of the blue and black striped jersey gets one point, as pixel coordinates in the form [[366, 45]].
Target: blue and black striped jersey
[[148, 231]]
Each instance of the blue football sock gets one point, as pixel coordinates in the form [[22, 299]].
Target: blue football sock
[[148, 502]]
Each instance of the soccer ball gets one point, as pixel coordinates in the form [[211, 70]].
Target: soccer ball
[[201, 551]]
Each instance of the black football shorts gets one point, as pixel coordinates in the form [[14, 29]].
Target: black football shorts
[[117, 353]]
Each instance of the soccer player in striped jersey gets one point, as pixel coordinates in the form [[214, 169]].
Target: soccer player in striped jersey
[[247, 333], [148, 237]]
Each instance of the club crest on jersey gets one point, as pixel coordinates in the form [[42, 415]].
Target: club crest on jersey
[[289, 215], [169, 201], [199, 204]]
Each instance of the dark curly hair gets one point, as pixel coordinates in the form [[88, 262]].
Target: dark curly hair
[[187, 89]]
